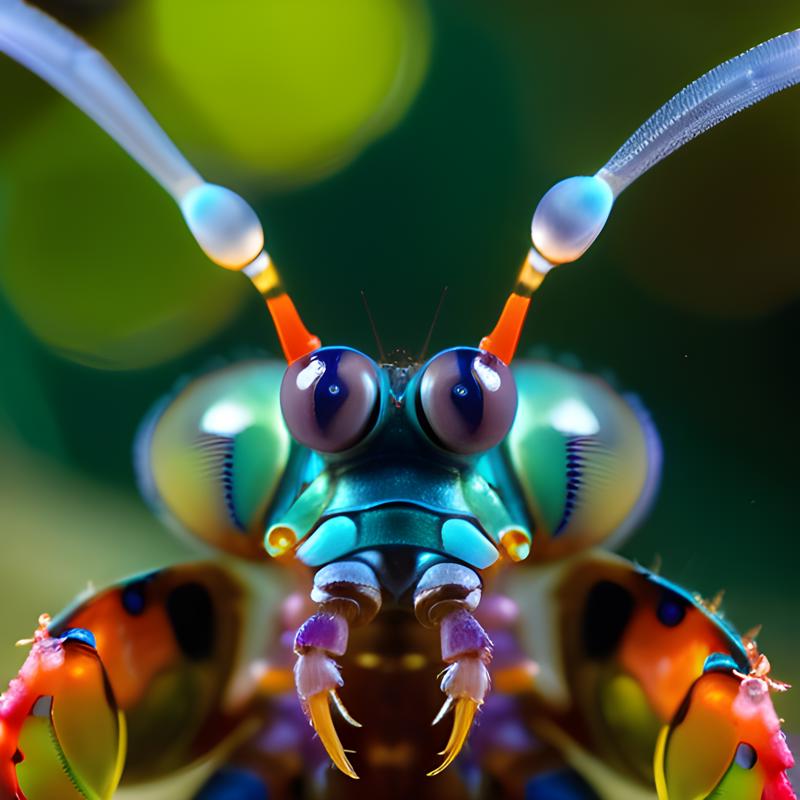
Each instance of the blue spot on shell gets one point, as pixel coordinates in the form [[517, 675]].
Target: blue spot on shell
[[79, 635], [671, 611]]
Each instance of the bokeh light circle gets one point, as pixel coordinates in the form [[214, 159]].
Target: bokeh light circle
[[292, 90]]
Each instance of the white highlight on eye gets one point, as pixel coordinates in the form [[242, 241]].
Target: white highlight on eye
[[574, 418], [226, 419], [488, 377], [307, 376]]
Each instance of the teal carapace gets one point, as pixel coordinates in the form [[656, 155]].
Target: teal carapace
[[218, 458]]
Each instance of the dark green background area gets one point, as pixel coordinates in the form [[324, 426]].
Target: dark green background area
[[689, 298]]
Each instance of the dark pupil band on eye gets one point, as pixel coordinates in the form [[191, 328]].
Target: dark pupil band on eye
[[330, 393], [467, 395]]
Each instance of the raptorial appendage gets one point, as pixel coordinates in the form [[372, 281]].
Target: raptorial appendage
[[446, 596], [320, 639], [632, 668], [348, 594], [468, 650], [61, 735], [726, 739]]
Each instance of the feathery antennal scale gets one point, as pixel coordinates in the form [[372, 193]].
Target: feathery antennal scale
[[572, 213], [722, 92], [83, 76]]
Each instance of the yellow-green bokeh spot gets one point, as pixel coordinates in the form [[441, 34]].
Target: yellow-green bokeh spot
[[291, 90], [94, 256]]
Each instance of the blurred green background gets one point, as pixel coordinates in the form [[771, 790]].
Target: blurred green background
[[397, 146]]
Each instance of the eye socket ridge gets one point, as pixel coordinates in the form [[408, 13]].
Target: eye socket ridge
[[331, 398]]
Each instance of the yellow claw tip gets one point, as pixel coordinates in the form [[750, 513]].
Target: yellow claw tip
[[443, 766], [320, 712], [464, 715]]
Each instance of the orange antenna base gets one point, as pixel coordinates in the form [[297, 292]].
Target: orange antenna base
[[503, 340], [296, 340]]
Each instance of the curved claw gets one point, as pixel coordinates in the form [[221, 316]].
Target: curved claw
[[317, 677], [319, 711], [462, 722], [342, 709], [468, 650], [729, 719]]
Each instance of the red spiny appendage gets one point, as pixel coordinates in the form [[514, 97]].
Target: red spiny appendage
[[45, 656], [779, 788]]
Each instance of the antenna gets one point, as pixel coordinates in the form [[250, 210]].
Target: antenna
[[381, 351], [224, 225], [435, 319], [572, 213]]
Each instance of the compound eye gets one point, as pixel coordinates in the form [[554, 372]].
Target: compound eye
[[467, 400], [330, 399]]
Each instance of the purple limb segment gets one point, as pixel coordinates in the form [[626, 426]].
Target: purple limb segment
[[462, 635], [323, 631]]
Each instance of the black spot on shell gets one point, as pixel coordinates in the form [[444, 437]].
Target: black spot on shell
[[606, 615], [191, 614]]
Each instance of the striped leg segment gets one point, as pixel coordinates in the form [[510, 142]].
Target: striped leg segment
[[446, 596], [468, 651], [348, 594]]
